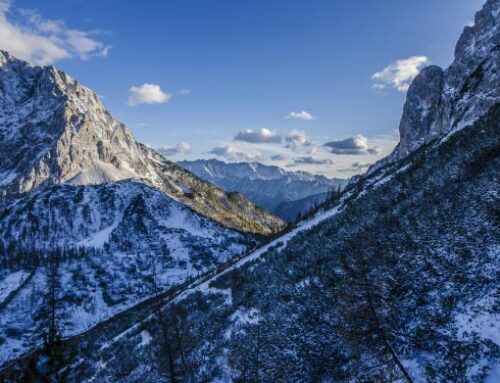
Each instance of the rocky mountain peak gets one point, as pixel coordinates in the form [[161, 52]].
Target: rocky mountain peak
[[4, 57], [440, 101], [54, 130], [479, 39]]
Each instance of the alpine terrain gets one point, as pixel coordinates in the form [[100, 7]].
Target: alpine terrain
[[54, 130], [286, 194], [92, 216], [395, 279]]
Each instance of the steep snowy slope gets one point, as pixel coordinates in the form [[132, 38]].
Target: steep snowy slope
[[54, 130], [267, 186], [110, 241], [396, 283], [125, 216]]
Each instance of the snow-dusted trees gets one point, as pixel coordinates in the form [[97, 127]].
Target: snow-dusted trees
[[361, 325]]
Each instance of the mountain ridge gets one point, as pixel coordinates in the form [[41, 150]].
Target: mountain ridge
[[397, 281], [53, 130], [440, 101]]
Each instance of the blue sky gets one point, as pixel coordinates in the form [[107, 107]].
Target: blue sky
[[216, 69]]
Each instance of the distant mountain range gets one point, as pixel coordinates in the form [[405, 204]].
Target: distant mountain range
[[286, 194], [395, 280]]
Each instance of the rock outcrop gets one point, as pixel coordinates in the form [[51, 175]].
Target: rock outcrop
[[442, 101]]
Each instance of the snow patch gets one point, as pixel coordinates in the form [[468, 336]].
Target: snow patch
[[11, 283], [146, 338], [242, 316], [98, 239]]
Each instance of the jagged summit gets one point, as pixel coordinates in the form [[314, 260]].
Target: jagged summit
[[251, 170], [4, 57], [54, 130], [439, 101]]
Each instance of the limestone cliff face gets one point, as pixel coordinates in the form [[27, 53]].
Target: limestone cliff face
[[422, 110], [441, 101], [54, 130]]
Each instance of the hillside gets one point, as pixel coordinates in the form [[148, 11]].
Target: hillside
[[396, 281], [110, 243]]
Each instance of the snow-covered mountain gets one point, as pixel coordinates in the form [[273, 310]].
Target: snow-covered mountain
[[78, 193], [396, 282], [111, 240], [54, 130], [122, 216], [267, 186]]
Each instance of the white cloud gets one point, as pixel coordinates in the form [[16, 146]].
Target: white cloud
[[258, 137], [352, 146], [44, 41], [379, 86], [310, 160], [400, 74], [233, 153], [296, 139], [82, 43], [147, 94], [279, 157], [181, 148], [303, 115], [184, 92], [356, 167]]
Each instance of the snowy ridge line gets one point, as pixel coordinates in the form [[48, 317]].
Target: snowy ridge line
[[202, 283], [203, 286]]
